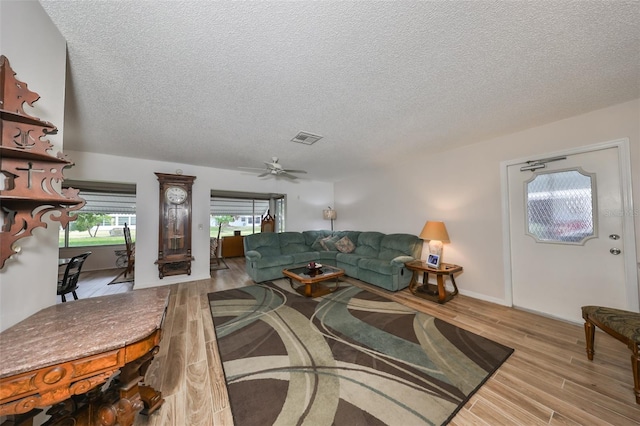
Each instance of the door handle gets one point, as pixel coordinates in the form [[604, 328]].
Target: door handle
[[615, 251]]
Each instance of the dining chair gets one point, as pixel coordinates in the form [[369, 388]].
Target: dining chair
[[214, 244], [69, 282], [131, 251], [268, 223]]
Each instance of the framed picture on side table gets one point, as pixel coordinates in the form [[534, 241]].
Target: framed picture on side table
[[433, 260]]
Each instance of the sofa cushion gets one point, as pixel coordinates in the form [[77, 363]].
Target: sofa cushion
[[352, 235], [304, 258], [345, 245], [293, 242], [317, 244], [329, 243], [348, 258], [394, 245], [311, 236], [267, 244], [328, 257], [380, 266], [368, 244], [281, 260]]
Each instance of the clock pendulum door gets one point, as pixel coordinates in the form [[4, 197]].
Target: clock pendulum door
[[175, 229]]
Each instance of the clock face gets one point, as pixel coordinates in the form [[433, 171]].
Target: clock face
[[176, 195]]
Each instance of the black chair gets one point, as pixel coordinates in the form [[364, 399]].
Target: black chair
[[131, 251], [69, 282]]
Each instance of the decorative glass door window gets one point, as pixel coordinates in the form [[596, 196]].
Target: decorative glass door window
[[561, 206]]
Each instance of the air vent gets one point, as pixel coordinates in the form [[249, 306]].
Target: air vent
[[306, 138]]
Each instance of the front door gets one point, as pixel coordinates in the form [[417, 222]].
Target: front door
[[567, 233]]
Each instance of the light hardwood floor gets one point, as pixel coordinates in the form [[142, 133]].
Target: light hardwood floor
[[547, 381]]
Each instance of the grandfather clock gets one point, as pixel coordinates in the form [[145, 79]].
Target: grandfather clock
[[174, 233]]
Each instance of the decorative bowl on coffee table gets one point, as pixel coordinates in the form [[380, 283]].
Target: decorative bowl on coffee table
[[314, 267]]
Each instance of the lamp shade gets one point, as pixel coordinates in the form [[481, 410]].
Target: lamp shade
[[434, 231], [329, 214]]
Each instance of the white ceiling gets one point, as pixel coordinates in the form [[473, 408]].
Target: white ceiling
[[227, 84]]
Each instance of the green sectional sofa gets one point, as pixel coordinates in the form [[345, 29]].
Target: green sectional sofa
[[372, 257]]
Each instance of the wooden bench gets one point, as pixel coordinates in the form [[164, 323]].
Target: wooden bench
[[624, 326]]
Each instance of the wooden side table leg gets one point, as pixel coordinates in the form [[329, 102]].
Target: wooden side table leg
[[455, 287], [442, 294], [413, 284]]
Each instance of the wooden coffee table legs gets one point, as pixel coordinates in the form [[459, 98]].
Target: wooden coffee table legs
[[314, 289]]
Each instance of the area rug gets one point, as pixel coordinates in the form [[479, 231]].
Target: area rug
[[121, 279], [217, 266], [349, 358]]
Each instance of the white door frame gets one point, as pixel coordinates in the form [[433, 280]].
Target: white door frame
[[628, 225]]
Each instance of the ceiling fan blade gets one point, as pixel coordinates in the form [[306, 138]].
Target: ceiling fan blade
[[274, 168]]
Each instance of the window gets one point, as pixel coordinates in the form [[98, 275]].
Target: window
[[101, 220], [242, 212], [561, 206]]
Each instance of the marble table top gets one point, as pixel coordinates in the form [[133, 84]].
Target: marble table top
[[81, 328]]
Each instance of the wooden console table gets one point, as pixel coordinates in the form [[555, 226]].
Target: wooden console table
[[437, 293], [62, 355]]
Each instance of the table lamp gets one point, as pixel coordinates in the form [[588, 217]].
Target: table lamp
[[329, 214], [437, 234]]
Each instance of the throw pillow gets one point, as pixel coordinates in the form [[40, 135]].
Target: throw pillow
[[345, 245], [329, 243], [317, 245]]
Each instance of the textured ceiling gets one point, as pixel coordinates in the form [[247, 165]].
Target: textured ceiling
[[227, 84]]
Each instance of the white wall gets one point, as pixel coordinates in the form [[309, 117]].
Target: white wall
[[305, 201], [462, 188], [37, 53]]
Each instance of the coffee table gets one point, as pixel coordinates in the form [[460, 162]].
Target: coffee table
[[311, 281]]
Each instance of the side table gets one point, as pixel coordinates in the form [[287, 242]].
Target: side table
[[436, 293]]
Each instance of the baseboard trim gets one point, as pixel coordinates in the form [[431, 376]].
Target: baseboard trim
[[484, 297]]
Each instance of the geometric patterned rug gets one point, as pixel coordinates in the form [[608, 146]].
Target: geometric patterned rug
[[351, 357]]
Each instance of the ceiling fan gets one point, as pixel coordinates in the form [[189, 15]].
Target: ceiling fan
[[275, 169]]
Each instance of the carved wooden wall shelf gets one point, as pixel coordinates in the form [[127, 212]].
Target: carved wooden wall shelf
[[30, 174]]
